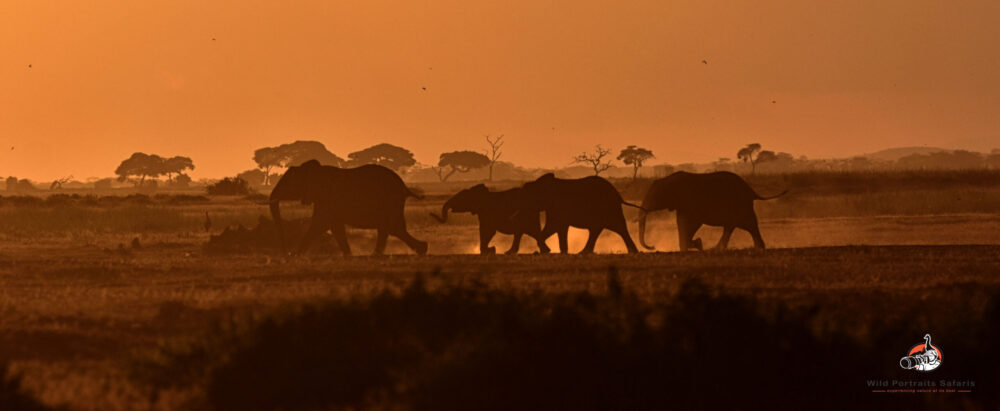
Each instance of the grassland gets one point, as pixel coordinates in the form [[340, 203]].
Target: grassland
[[80, 306]]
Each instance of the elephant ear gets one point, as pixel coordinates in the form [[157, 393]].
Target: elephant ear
[[547, 177], [310, 164]]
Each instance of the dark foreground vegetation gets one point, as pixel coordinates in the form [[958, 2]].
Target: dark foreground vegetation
[[470, 346]]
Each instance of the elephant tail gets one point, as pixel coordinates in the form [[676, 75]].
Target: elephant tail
[[410, 193], [635, 205], [771, 197]]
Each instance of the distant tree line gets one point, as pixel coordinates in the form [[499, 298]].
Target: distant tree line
[[146, 170], [283, 156]]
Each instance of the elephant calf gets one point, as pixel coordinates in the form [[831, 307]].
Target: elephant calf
[[717, 199], [501, 211]]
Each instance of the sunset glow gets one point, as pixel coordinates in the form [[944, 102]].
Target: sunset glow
[[84, 86]]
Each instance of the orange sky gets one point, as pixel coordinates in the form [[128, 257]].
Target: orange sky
[[556, 77]]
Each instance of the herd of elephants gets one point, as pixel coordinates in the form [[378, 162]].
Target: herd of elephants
[[373, 197]]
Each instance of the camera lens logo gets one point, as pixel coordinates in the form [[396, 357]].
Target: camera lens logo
[[922, 357]]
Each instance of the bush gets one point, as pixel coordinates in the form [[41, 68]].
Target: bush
[[13, 396], [466, 346], [181, 181], [229, 186]]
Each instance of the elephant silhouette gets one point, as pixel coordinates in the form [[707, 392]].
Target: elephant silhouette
[[591, 203], [369, 196], [716, 199], [504, 211]]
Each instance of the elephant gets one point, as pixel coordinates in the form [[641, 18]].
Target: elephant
[[501, 211], [370, 196], [716, 199], [590, 203]]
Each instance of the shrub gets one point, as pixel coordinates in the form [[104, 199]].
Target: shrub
[[229, 186], [181, 181], [13, 396], [466, 346], [103, 184]]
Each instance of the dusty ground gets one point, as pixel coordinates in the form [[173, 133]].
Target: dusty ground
[[78, 306]]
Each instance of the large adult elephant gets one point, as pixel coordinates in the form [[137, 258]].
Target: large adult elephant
[[590, 203], [504, 211], [369, 196], [716, 199]]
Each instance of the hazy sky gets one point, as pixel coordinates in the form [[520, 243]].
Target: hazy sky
[[816, 78]]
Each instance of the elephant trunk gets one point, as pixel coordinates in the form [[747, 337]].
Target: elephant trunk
[[642, 230], [276, 216], [443, 218]]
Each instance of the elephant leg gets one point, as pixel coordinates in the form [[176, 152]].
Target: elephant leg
[[542, 247], [621, 228], [724, 240], [485, 235], [695, 242], [419, 247], [316, 229], [686, 227], [515, 244], [564, 240], [591, 241], [683, 237], [539, 239], [758, 241], [547, 231], [380, 239], [398, 230], [340, 234]]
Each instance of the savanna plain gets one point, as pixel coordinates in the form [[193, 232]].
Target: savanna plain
[[122, 301]]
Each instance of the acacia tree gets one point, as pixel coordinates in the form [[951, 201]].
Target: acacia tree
[[460, 161], [635, 156], [595, 159], [494, 151], [293, 154], [176, 165], [58, 183], [747, 154], [387, 155], [140, 165], [266, 159]]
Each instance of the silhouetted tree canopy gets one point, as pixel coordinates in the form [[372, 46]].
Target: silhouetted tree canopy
[[176, 165], [140, 165], [182, 180], [635, 156], [143, 166], [462, 162], [494, 152], [256, 177], [293, 154], [766, 155], [747, 154], [387, 155], [15, 184], [595, 159]]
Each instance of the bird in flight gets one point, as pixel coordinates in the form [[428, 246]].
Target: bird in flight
[[704, 62], [424, 88], [29, 66]]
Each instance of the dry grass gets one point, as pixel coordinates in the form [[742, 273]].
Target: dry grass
[[77, 310]]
